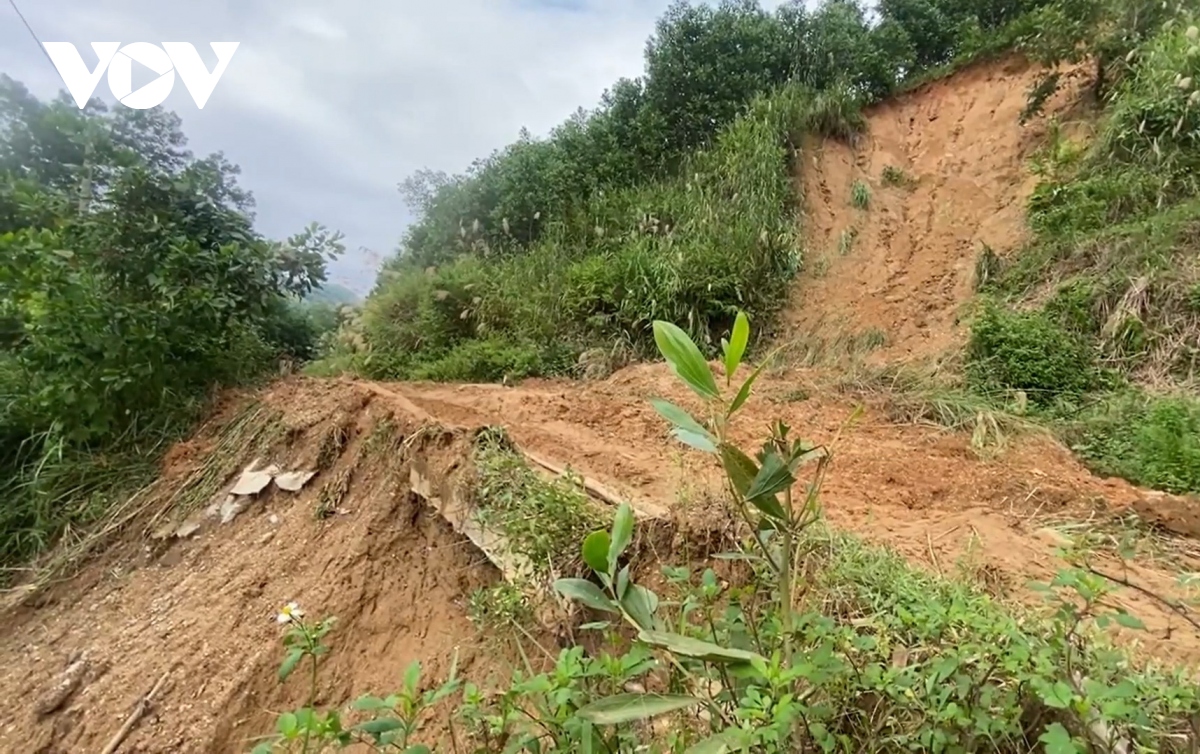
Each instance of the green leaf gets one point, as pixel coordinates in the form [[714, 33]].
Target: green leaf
[[1058, 740], [288, 725], [586, 592], [686, 429], [290, 661], [595, 551], [772, 478], [624, 708], [686, 646], [640, 603], [418, 749], [622, 584], [379, 726], [739, 467], [729, 740], [685, 359], [369, 704], [622, 534], [1057, 695], [1129, 621], [736, 348], [266, 747], [742, 472], [743, 394], [412, 676]]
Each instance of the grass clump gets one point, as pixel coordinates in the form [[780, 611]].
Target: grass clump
[[894, 176], [860, 195], [1027, 351], [1151, 440], [541, 519]]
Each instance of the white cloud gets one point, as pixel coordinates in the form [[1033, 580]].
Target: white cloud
[[327, 106]]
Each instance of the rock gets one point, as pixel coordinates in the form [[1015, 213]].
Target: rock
[[67, 684]]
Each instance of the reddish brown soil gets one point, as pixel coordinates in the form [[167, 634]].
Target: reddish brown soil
[[911, 262], [925, 492], [397, 576], [393, 573]]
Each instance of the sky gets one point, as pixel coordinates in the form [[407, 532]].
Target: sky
[[327, 106]]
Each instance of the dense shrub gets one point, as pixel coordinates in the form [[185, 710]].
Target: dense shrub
[[1027, 351], [1153, 441], [131, 283]]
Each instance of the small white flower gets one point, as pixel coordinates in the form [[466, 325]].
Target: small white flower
[[289, 613]]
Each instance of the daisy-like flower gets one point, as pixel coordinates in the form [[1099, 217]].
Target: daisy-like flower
[[289, 613]]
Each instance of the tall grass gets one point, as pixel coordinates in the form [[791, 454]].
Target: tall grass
[[691, 249]]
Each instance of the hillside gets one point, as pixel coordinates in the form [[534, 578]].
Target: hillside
[[945, 173], [532, 506], [376, 549]]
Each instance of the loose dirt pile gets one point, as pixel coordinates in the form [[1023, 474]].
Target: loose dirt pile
[[365, 540], [355, 543], [903, 265]]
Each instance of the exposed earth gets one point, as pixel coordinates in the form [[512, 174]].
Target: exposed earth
[[200, 608]]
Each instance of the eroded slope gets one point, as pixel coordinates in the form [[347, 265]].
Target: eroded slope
[[945, 170]]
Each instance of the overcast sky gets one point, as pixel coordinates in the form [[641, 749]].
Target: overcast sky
[[326, 106]]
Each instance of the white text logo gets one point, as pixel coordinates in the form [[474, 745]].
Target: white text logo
[[118, 61]]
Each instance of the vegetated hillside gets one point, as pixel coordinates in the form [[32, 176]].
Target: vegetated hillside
[[383, 505], [671, 200], [333, 294], [132, 283]]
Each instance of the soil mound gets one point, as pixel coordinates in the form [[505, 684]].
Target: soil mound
[[183, 594]]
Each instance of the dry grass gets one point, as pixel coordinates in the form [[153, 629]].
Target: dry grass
[[251, 431], [929, 395]]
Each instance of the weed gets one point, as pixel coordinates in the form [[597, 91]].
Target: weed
[[846, 240], [894, 176], [860, 195], [500, 607], [541, 520], [821, 266]]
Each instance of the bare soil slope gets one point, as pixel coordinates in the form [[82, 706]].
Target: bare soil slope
[[905, 264], [923, 491], [202, 607], [358, 541]]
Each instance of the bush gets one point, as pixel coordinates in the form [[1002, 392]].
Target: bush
[[1027, 351], [1153, 441]]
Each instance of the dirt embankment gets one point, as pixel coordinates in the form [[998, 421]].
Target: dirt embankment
[[354, 543], [945, 168], [357, 541]]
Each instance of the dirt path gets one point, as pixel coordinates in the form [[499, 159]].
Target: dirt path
[[923, 491], [398, 577], [905, 264]]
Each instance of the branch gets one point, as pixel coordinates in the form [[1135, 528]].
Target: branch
[[1177, 607]]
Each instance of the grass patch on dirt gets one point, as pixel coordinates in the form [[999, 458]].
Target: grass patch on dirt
[[543, 519]]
